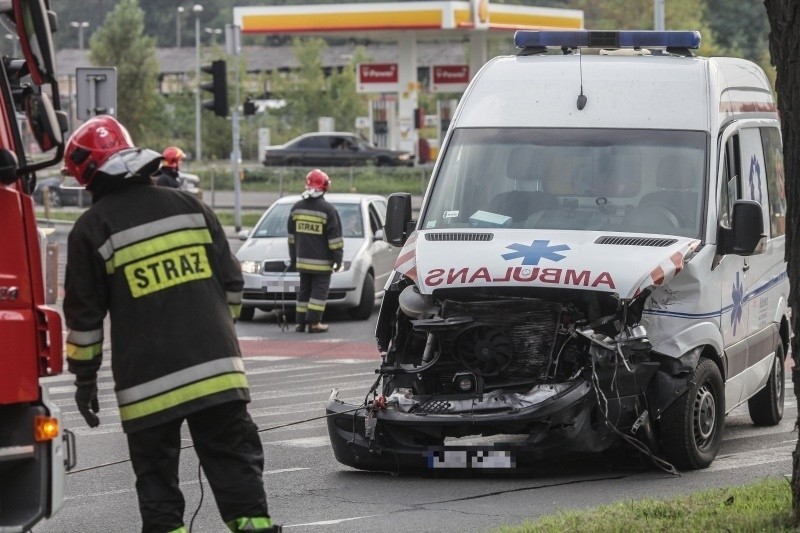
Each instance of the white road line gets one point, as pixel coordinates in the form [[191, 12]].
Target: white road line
[[753, 458], [330, 522], [308, 442]]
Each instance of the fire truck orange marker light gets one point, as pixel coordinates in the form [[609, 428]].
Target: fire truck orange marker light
[[45, 428]]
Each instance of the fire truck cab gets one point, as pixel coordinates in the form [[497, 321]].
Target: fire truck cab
[[35, 449]]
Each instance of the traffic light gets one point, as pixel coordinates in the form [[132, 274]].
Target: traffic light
[[218, 87], [249, 107]]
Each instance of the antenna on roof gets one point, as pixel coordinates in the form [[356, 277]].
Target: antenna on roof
[[581, 97]]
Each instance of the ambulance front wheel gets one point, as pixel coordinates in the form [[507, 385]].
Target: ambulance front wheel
[[691, 428]]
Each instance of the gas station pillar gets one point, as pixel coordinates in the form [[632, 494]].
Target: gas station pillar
[[407, 78], [477, 51]]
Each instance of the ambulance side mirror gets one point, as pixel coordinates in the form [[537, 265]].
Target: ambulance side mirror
[[398, 219], [746, 234]]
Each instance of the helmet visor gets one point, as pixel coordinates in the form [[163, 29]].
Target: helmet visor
[[131, 162]]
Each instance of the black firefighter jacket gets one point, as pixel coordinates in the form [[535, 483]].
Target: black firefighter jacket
[[315, 236], [158, 261]]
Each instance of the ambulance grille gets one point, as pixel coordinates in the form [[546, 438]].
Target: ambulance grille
[[459, 236], [636, 241]]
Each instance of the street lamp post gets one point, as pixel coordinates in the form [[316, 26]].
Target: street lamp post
[[178, 17], [213, 32], [197, 9], [80, 26]]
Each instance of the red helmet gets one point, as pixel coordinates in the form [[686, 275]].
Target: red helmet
[[172, 156], [92, 144], [102, 144], [318, 180]]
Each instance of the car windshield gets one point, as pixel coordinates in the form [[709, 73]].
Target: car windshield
[[635, 181], [276, 222]]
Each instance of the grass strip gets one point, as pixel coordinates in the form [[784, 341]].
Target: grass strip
[[762, 506]]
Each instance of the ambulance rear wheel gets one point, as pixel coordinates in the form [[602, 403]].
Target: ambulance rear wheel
[[247, 313], [691, 428], [766, 407]]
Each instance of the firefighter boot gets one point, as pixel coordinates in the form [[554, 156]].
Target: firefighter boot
[[260, 524], [318, 327]]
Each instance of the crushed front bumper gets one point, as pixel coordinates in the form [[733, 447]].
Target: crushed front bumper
[[396, 441]]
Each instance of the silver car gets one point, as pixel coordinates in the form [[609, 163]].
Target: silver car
[[269, 283]]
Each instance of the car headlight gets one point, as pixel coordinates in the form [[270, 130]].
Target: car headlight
[[345, 266], [404, 157], [251, 267]]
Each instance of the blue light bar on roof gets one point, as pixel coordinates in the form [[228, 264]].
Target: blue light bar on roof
[[607, 39]]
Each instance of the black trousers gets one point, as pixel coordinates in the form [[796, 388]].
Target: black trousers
[[311, 297], [227, 443]]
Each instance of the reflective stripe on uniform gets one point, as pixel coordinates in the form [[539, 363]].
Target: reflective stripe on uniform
[[335, 244], [181, 529], [301, 308], [236, 310], [182, 395], [84, 345], [317, 268], [177, 379], [310, 214], [316, 305], [156, 245], [233, 297], [144, 231], [84, 353]]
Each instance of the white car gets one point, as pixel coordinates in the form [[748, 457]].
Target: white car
[[368, 258]]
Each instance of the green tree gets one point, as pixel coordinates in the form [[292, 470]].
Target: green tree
[[121, 43], [310, 94], [638, 15], [784, 42]]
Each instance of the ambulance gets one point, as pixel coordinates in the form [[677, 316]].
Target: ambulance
[[598, 264]]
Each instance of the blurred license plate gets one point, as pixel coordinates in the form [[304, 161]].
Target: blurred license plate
[[471, 457], [281, 285]]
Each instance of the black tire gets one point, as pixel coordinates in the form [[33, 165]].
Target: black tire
[[691, 428], [364, 308], [766, 407], [247, 313]]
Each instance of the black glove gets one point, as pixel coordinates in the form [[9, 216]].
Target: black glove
[[86, 400]]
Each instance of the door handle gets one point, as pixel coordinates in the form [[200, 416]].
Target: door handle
[[745, 267]]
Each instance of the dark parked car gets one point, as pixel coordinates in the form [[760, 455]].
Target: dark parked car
[[333, 149], [62, 192]]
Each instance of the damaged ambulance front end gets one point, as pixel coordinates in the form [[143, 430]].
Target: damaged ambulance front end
[[535, 338]]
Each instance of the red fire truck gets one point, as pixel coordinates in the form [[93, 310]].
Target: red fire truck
[[35, 449]]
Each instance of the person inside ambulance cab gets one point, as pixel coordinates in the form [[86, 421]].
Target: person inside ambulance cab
[[146, 256]]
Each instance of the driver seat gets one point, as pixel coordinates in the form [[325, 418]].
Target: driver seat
[[675, 177]]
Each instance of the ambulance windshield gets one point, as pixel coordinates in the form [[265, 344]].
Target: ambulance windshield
[[632, 181]]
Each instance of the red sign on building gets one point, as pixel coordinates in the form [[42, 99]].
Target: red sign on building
[[443, 74], [377, 73], [378, 77], [449, 78]]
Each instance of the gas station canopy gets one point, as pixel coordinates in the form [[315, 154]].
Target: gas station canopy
[[406, 23], [402, 16]]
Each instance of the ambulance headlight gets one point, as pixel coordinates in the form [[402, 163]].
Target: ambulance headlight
[[251, 267]]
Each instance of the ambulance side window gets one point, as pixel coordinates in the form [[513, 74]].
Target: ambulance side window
[[730, 189], [776, 192]]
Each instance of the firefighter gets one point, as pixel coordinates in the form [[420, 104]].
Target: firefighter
[[315, 249], [167, 176], [143, 253]]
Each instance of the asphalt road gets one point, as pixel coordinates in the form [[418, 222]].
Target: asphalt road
[[291, 375]]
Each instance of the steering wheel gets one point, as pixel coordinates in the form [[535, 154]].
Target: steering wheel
[[661, 210]]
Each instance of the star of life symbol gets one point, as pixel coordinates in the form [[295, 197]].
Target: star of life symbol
[[538, 250], [755, 180], [738, 295]]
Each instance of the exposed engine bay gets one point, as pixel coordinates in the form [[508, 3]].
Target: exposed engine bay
[[564, 371]]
